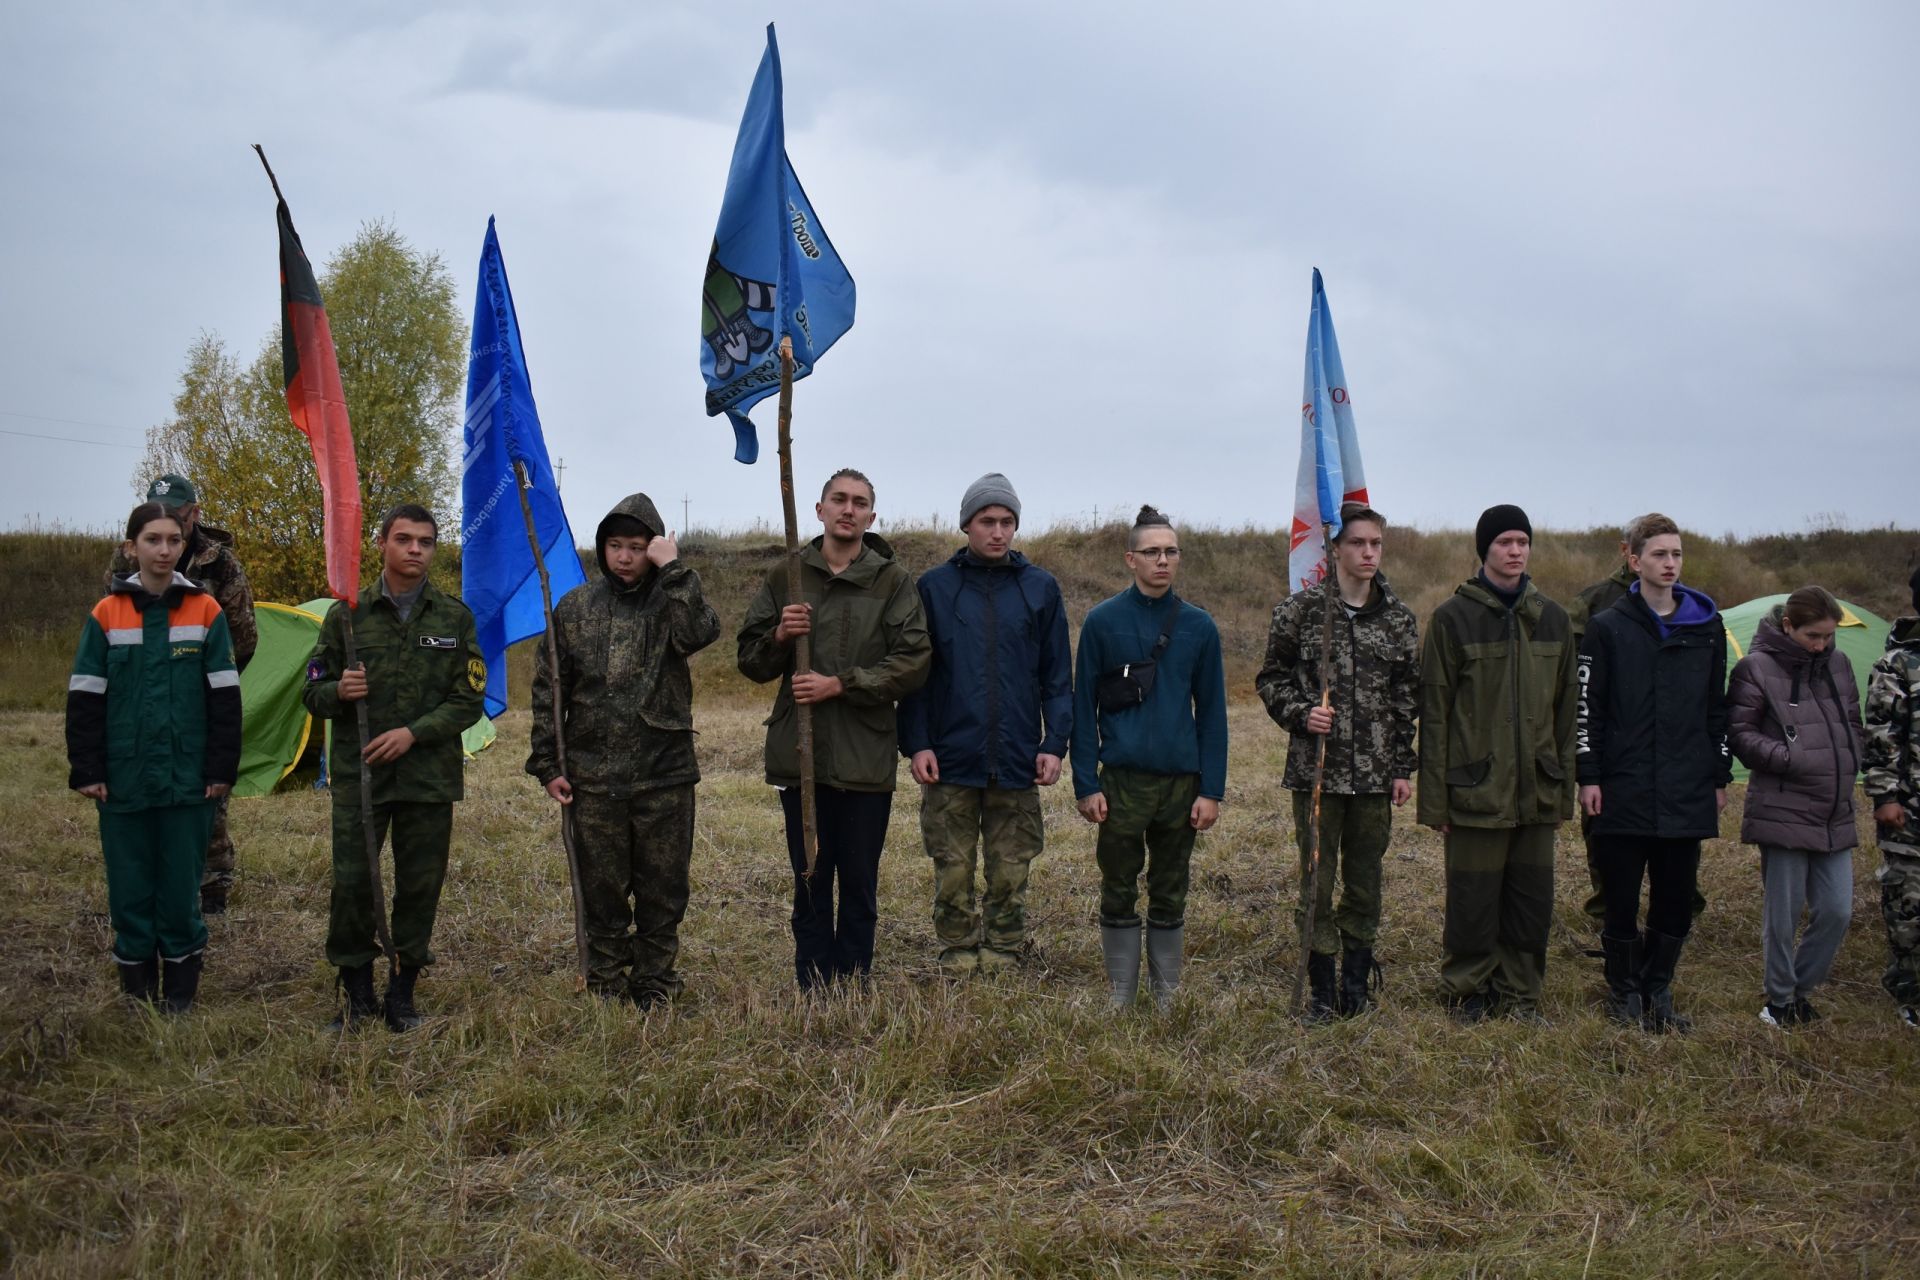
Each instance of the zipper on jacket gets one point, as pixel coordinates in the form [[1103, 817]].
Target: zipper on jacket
[[1513, 711], [993, 684]]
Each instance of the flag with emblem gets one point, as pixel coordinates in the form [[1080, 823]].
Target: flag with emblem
[[1330, 472]]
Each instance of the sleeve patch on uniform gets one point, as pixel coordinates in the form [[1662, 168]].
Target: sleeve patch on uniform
[[316, 670], [477, 675]]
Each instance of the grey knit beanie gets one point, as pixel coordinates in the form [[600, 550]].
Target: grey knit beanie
[[990, 490]]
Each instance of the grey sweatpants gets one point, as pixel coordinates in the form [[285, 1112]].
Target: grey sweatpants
[[1822, 885]]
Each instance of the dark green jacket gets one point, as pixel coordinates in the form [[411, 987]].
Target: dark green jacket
[[1497, 704], [425, 673], [1598, 598], [869, 630], [626, 694]]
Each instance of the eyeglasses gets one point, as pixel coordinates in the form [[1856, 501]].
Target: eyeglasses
[[1157, 553]]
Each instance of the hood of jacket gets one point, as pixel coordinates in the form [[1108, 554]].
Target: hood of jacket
[[965, 559], [1905, 634], [1529, 605], [131, 585], [636, 506], [864, 570], [1772, 639], [1691, 608]]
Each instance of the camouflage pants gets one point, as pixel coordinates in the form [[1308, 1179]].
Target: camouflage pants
[[1353, 838], [1899, 878], [634, 854], [1499, 907], [219, 869], [1006, 826], [422, 835], [1149, 824]]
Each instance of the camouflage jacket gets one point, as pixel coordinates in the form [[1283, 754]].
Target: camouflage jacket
[[211, 565], [424, 673], [1597, 599], [870, 631], [626, 696], [1375, 688], [1892, 757]]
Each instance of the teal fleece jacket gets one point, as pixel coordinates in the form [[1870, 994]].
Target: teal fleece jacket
[[1182, 726]]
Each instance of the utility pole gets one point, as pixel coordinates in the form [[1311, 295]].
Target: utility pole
[[560, 475], [685, 503]]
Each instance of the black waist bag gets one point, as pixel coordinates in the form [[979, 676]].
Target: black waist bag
[[1128, 684]]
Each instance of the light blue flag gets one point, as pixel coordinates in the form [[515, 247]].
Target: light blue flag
[[497, 575], [772, 271], [1330, 472]]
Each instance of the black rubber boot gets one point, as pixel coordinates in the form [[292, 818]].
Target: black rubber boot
[[1625, 1003], [1662, 954], [213, 899], [356, 983], [180, 982], [1322, 997], [1359, 972], [401, 1015], [140, 981]]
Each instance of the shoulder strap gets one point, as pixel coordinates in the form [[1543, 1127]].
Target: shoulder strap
[[1166, 631]]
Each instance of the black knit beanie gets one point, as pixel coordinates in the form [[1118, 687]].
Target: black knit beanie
[[1495, 521]]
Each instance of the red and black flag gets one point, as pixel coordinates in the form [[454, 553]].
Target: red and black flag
[[317, 404]]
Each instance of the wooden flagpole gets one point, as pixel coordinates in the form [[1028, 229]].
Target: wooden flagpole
[[802, 648], [559, 730], [1319, 773]]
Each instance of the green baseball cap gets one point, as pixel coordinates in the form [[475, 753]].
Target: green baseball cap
[[172, 492]]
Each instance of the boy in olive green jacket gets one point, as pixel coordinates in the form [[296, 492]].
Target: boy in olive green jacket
[[1498, 698]]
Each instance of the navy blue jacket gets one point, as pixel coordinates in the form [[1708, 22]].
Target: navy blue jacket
[[1001, 666]]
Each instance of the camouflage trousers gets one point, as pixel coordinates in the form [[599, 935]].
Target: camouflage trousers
[[1899, 878], [634, 853], [422, 836], [1149, 825], [1499, 908], [219, 869], [1005, 825], [1354, 831]]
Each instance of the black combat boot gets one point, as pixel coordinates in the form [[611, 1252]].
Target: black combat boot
[[356, 983], [1359, 971], [213, 899], [1322, 998], [1662, 953], [401, 1015], [139, 981], [180, 982], [1622, 958]]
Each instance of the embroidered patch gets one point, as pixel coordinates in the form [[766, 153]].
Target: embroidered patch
[[477, 675], [439, 642], [316, 670]]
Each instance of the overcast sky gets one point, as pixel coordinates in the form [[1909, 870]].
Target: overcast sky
[[1593, 259]]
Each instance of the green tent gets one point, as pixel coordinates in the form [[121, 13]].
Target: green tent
[[275, 726], [1862, 636]]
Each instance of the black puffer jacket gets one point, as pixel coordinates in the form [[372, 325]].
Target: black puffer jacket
[[1652, 731], [1796, 724]]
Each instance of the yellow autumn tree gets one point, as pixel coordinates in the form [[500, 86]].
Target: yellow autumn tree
[[402, 346]]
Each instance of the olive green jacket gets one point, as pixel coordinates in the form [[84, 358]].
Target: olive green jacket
[[1497, 704], [425, 673], [870, 631]]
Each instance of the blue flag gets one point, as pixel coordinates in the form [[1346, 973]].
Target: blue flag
[[772, 272], [497, 575], [1330, 473]]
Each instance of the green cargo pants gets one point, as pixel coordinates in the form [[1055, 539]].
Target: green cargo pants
[[635, 852], [1006, 826], [153, 859], [1499, 907], [1354, 831], [422, 834], [1149, 824]]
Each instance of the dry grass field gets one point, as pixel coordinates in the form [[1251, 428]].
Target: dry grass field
[[1006, 1126]]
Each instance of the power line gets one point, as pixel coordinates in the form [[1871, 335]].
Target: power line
[[68, 422], [34, 435]]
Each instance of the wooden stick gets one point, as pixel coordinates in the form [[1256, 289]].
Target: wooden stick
[[559, 730], [367, 830], [1319, 774], [802, 649]]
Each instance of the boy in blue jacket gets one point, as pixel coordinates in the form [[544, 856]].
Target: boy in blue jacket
[[1149, 755], [990, 726]]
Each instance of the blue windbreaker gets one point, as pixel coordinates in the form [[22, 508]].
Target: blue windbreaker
[[1001, 691]]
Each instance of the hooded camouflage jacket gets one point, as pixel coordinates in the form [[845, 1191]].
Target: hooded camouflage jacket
[[211, 565], [626, 696], [870, 631], [1597, 599], [1497, 703], [1375, 688], [1892, 756]]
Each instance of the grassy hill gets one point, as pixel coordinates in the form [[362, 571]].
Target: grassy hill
[[998, 1127]]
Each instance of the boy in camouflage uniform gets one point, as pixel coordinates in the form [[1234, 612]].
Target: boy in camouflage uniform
[[627, 701], [989, 727], [423, 679], [209, 563], [1892, 781], [1374, 693]]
